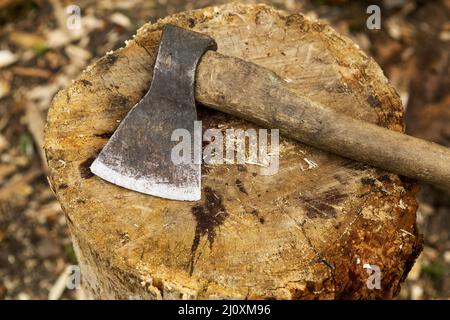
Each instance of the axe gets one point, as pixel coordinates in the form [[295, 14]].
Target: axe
[[138, 154]]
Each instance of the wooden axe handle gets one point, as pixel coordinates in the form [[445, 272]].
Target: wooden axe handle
[[254, 93]]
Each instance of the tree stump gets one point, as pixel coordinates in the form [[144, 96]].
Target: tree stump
[[310, 231]]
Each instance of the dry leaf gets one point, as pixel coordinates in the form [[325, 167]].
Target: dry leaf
[[26, 40], [32, 72], [121, 20]]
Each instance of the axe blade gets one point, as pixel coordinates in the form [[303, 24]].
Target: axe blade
[[138, 155]]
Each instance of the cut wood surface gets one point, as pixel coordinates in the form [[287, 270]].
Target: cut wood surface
[[309, 231]]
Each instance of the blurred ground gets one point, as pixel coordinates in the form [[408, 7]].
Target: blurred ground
[[38, 56]]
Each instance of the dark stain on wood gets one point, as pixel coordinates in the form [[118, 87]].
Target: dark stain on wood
[[384, 178], [294, 19], [322, 206], [86, 83], [355, 165], [368, 181], [107, 61], [104, 135], [191, 22], [261, 220], [205, 169], [408, 183], [374, 102], [84, 168], [208, 216], [240, 186], [119, 102]]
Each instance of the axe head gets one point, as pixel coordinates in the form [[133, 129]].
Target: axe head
[[138, 155]]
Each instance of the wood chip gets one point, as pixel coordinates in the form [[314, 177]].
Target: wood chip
[[78, 56], [121, 20], [32, 72], [60, 285], [57, 38], [7, 58]]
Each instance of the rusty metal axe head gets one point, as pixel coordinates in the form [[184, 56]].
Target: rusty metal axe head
[[138, 155]]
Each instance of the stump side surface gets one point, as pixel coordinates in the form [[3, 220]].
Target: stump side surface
[[306, 232]]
